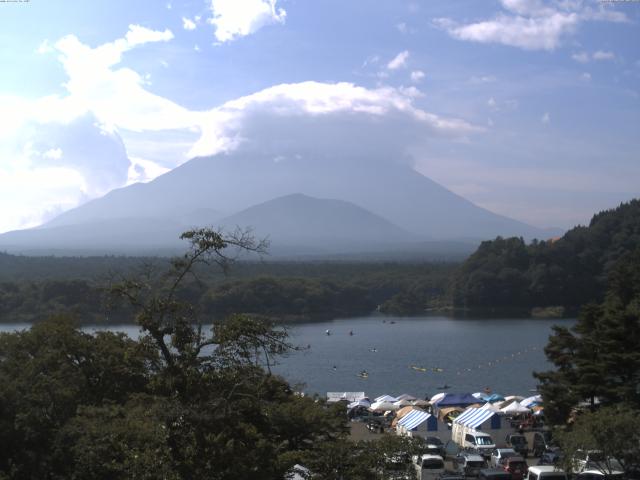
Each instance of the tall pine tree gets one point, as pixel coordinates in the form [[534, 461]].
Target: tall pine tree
[[598, 359]]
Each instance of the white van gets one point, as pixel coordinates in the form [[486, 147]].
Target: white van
[[479, 442], [428, 467], [545, 472]]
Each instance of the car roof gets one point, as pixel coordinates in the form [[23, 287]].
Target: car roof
[[472, 456], [545, 468], [515, 459], [504, 450], [598, 472]]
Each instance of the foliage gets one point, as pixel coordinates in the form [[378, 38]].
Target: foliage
[[363, 460], [613, 432], [570, 271], [598, 358], [292, 290], [178, 403]]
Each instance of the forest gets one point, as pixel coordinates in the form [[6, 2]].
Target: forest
[[568, 272], [503, 275]]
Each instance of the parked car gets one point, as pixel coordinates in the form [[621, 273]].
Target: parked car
[[468, 464], [539, 441], [594, 460], [546, 472], [428, 467], [598, 475], [516, 466], [499, 454], [435, 442], [552, 456], [494, 474], [519, 443]]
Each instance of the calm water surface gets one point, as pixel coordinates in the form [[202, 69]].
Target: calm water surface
[[466, 354]]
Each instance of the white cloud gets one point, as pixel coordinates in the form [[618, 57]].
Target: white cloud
[[188, 24], [237, 18], [582, 57], [53, 153], [603, 55], [482, 79], [417, 76], [546, 118], [402, 27], [44, 47], [138, 35], [491, 103], [399, 61], [586, 76], [299, 107], [530, 24]]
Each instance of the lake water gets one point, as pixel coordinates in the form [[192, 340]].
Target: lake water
[[466, 354]]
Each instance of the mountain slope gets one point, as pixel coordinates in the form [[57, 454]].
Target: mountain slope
[[230, 183], [331, 225]]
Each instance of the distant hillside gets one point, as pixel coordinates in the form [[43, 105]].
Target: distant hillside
[[570, 271], [205, 190], [329, 225]]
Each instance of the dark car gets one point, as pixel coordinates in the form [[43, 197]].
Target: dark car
[[517, 467], [550, 457], [436, 442], [494, 474], [519, 443]]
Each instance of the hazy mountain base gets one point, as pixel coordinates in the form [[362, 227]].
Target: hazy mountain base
[[344, 204]]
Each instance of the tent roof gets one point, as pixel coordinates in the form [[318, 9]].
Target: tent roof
[[514, 407], [456, 399], [406, 396], [437, 396], [474, 417], [360, 403], [345, 396], [383, 406], [528, 402], [413, 419], [386, 398]]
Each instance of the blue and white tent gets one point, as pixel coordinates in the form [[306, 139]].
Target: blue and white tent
[[417, 423], [476, 417]]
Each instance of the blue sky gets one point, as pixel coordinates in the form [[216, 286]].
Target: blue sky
[[528, 108]]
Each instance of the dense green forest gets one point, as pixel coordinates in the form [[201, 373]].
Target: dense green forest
[[569, 271], [32, 288]]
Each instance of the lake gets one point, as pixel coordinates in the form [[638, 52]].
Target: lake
[[466, 354]]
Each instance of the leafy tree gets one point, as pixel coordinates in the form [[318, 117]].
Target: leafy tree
[[614, 432]]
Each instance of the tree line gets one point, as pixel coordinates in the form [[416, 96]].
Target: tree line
[[569, 271]]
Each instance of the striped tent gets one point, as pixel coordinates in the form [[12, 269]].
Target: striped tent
[[413, 419], [474, 417]]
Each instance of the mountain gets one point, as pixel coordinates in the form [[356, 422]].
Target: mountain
[[326, 225], [230, 183]]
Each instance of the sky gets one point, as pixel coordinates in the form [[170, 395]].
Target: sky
[[530, 108]]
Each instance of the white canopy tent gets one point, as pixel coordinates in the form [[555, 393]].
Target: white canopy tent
[[514, 408], [383, 406]]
